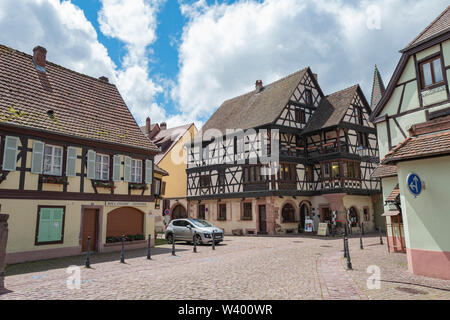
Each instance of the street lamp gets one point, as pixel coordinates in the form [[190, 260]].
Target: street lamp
[[360, 151]]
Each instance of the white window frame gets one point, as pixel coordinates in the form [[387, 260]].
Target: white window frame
[[52, 163], [134, 171], [102, 165]]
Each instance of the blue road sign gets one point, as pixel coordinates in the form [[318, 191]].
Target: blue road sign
[[414, 184]]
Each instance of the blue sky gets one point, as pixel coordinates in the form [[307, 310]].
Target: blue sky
[[178, 60]]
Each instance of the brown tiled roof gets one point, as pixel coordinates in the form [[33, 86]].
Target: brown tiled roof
[[378, 88], [84, 107], [420, 147], [167, 139], [440, 25], [161, 171], [255, 109], [331, 109], [394, 194], [384, 170]]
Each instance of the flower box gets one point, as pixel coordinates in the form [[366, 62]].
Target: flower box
[[53, 179], [104, 184], [138, 186]]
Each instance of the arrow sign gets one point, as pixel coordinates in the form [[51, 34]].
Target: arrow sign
[[414, 184]]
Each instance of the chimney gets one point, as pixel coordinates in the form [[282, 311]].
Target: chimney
[[163, 125], [39, 57], [147, 125], [258, 86], [104, 79]]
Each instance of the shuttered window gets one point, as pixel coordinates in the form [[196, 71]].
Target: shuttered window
[[37, 158], [53, 160], [116, 167], [136, 171], [127, 169], [71, 162], [101, 167], [91, 164], [10, 153], [157, 190], [50, 225], [148, 171]]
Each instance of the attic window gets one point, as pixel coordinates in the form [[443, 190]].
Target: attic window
[[431, 72], [51, 114]]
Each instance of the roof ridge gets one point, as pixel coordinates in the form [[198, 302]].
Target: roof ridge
[[55, 64], [427, 27], [355, 85]]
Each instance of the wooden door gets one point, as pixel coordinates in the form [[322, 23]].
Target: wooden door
[[262, 218], [90, 222]]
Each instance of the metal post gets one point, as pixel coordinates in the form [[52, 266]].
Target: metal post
[[149, 244], [362, 226], [87, 263], [122, 255], [173, 245], [213, 241], [381, 237], [349, 262], [345, 247], [195, 241], [360, 239]]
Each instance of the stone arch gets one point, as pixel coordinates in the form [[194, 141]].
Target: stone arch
[[125, 221], [177, 211], [304, 210], [294, 208]]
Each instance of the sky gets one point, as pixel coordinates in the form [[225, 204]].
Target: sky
[[178, 60]]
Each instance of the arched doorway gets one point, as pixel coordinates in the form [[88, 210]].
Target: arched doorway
[[304, 212], [288, 213], [179, 212], [353, 217], [125, 221]]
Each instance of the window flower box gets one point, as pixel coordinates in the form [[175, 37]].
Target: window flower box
[[138, 186], [53, 179], [104, 184]]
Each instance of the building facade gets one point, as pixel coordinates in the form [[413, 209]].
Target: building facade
[[412, 120], [322, 150], [74, 163]]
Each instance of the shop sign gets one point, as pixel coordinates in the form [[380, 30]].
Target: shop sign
[[308, 225], [323, 229], [123, 204]]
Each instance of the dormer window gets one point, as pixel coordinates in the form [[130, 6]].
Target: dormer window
[[431, 72]]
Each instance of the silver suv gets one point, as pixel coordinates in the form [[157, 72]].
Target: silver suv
[[185, 229]]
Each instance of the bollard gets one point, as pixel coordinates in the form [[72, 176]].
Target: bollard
[[122, 255], [173, 245], [149, 245], [360, 239], [349, 262], [345, 248], [381, 237], [213, 241], [195, 241], [362, 227], [87, 263]]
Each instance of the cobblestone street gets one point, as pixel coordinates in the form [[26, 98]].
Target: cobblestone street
[[294, 267]]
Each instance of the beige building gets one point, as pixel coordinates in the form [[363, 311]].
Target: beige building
[[74, 163], [413, 124]]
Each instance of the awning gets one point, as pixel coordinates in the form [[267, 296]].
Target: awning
[[390, 213]]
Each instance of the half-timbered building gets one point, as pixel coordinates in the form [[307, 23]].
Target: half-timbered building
[[74, 163], [322, 150]]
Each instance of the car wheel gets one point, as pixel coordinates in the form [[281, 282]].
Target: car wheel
[[199, 239], [169, 238]]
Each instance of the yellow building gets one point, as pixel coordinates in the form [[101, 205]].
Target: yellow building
[[74, 163], [413, 125], [172, 159]]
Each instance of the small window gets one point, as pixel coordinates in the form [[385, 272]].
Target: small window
[[136, 171], [431, 72], [157, 187], [359, 116], [366, 214], [247, 214], [205, 181], [101, 167], [335, 170], [363, 139], [309, 173], [308, 96], [53, 160], [201, 211], [222, 214], [326, 170], [300, 116], [288, 213], [221, 177]]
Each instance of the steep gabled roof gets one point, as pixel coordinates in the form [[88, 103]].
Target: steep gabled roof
[[378, 88], [83, 107], [167, 138], [253, 109], [331, 110], [440, 25]]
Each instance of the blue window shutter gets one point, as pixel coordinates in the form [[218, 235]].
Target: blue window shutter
[[127, 169], [148, 171], [37, 157], [117, 164], [91, 164], [10, 153], [50, 224], [71, 163]]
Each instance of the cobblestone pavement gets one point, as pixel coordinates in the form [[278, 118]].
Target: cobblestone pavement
[[291, 267]]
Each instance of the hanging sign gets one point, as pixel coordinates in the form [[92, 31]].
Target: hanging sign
[[414, 184], [308, 225]]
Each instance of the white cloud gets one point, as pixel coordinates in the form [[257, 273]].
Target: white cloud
[[225, 47]]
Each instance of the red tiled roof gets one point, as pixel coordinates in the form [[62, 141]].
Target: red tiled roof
[[394, 194], [384, 170], [84, 107], [438, 26], [420, 147]]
